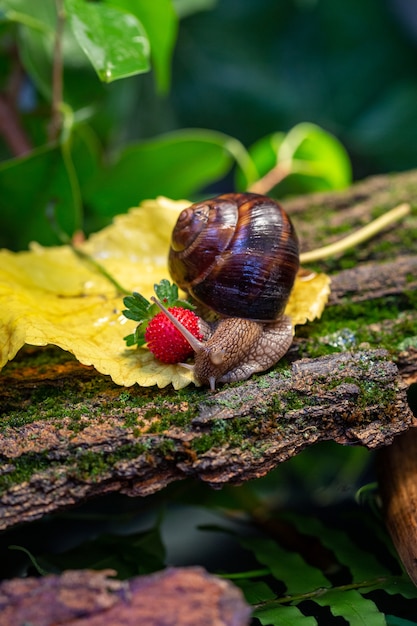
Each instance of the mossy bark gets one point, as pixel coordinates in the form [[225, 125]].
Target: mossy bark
[[68, 433]]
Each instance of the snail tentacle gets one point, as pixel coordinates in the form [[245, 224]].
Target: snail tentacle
[[193, 341]]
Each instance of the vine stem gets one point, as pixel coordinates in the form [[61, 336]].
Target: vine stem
[[271, 179], [84, 256], [99, 268], [358, 237], [57, 71], [323, 590]]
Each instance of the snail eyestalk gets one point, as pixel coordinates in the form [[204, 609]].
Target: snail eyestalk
[[358, 237]]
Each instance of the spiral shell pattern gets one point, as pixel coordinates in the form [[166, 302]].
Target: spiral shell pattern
[[237, 254]]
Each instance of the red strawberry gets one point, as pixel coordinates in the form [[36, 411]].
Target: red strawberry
[[165, 341]]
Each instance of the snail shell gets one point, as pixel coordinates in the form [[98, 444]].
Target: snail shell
[[236, 254]]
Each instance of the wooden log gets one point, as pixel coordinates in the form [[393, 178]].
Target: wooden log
[[68, 433], [235, 435]]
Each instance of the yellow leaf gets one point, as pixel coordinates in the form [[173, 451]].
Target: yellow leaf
[[134, 249], [308, 297], [51, 296]]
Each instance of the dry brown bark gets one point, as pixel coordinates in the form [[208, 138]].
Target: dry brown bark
[[69, 434], [184, 597], [397, 467]]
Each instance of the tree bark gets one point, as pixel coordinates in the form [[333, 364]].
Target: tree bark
[[68, 433], [185, 596]]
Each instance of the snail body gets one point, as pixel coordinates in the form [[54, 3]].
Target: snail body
[[236, 254], [239, 348]]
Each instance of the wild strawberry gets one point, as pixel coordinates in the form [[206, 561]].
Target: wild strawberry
[[165, 341]]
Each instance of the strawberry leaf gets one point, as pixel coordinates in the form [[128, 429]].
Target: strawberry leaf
[[138, 337], [167, 293], [140, 310], [137, 307]]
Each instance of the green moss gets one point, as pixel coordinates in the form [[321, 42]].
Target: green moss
[[276, 404], [381, 323], [22, 469], [293, 401], [166, 447], [264, 383], [131, 420], [125, 397], [373, 393], [411, 299], [91, 465], [173, 412], [94, 465], [230, 432], [76, 415], [231, 402], [37, 358]]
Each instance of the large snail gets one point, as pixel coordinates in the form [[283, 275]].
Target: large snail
[[236, 254]]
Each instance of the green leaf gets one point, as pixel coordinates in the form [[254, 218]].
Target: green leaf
[[161, 24], [288, 567], [283, 616], [362, 565], [137, 307], [46, 181], [23, 12], [401, 585], [140, 309], [130, 340], [35, 43], [255, 591], [36, 38], [130, 555], [115, 41], [176, 165], [264, 155], [357, 610], [316, 153], [306, 159], [54, 176], [138, 337]]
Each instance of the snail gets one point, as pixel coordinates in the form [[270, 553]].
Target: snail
[[236, 254]]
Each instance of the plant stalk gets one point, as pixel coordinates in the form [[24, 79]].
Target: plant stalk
[[358, 237], [57, 75]]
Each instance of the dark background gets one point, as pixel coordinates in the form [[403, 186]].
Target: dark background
[[251, 68]]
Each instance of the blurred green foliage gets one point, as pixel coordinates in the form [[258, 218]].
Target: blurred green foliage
[[99, 131], [250, 68], [120, 100]]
